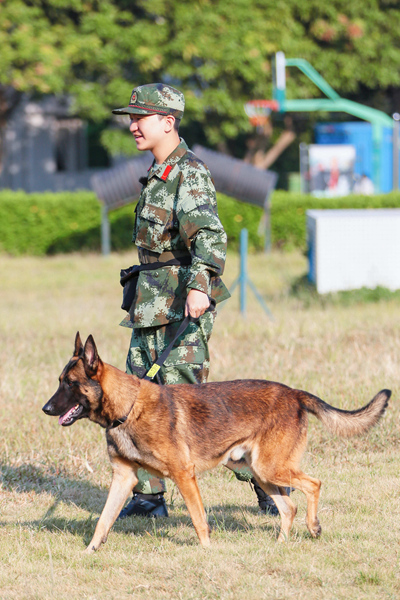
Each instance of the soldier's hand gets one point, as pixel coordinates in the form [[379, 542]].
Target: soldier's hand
[[196, 303]]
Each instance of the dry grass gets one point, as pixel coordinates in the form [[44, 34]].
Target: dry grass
[[55, 481]]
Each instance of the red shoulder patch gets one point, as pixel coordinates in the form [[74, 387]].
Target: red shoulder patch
[[167, 171]]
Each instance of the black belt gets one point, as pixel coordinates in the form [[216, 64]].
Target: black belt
[[128, 277], [134, 271], [148, 256]]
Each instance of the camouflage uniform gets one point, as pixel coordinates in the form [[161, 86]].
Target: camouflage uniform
[[176, 216]]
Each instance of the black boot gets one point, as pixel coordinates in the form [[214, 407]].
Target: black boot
[[265, 502], [145, 505]]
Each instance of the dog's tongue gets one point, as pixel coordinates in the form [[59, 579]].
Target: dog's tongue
[[63, 418]]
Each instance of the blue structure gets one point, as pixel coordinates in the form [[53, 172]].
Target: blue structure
[[243, 279], [378, 120], [360, 135]]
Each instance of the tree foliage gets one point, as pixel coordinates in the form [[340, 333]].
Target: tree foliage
[[217, 51]]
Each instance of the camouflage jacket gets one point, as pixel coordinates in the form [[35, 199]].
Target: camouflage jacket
[[177, 211]]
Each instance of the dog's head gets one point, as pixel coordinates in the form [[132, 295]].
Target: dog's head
[[79, 393]]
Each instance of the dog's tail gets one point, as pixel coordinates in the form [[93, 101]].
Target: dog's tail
[[346, 423]]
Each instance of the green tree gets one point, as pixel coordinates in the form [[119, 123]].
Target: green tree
[[217, 51], [75, 47]]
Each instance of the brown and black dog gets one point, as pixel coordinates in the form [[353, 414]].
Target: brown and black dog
[[177, 431]]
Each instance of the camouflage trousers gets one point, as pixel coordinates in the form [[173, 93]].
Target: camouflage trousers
[[189, 359], [188, 362]]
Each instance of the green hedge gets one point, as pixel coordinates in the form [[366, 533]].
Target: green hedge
[[49, 223]]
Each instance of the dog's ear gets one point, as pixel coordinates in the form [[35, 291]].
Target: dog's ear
[[90, 356], [78, 351]]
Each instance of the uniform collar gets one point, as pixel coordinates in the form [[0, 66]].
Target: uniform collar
[[163, 170]]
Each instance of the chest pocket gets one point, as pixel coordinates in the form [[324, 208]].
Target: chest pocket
[[152, 227]]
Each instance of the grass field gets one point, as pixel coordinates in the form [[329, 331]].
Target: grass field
[[54, 481]]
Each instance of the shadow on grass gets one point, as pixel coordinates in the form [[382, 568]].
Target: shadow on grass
[[145, 528], [91, 498], [29, 478]]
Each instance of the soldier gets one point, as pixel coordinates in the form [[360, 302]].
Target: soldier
[[176, 218]]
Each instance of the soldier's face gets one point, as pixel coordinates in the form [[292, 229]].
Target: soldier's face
[[148, 131]]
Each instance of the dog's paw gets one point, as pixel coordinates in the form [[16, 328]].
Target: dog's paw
[[315, 529], [317, 532], [283, 537]]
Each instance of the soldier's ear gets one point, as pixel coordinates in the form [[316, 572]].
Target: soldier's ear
[[169, 122]]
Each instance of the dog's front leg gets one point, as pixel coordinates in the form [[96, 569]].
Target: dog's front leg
[[123, 481], [188, 487]]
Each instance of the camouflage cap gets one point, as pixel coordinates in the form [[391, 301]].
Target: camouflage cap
[[154, 98]]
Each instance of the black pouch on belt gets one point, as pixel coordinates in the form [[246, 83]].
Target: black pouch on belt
[[129, 277], [128, 280]]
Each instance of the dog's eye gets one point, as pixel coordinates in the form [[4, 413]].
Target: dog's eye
[[69, 383]]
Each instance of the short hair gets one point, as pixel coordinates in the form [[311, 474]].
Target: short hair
[[176, 123]]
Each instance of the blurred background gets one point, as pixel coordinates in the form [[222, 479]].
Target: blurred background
[[65, 64]]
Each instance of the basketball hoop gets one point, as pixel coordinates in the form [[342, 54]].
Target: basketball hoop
[[258, 111]]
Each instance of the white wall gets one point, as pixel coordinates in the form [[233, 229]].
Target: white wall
[[353, 248]]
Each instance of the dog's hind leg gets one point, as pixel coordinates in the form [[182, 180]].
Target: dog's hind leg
[[188, 487], [311, 488], [123, 481], [287, 509]]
